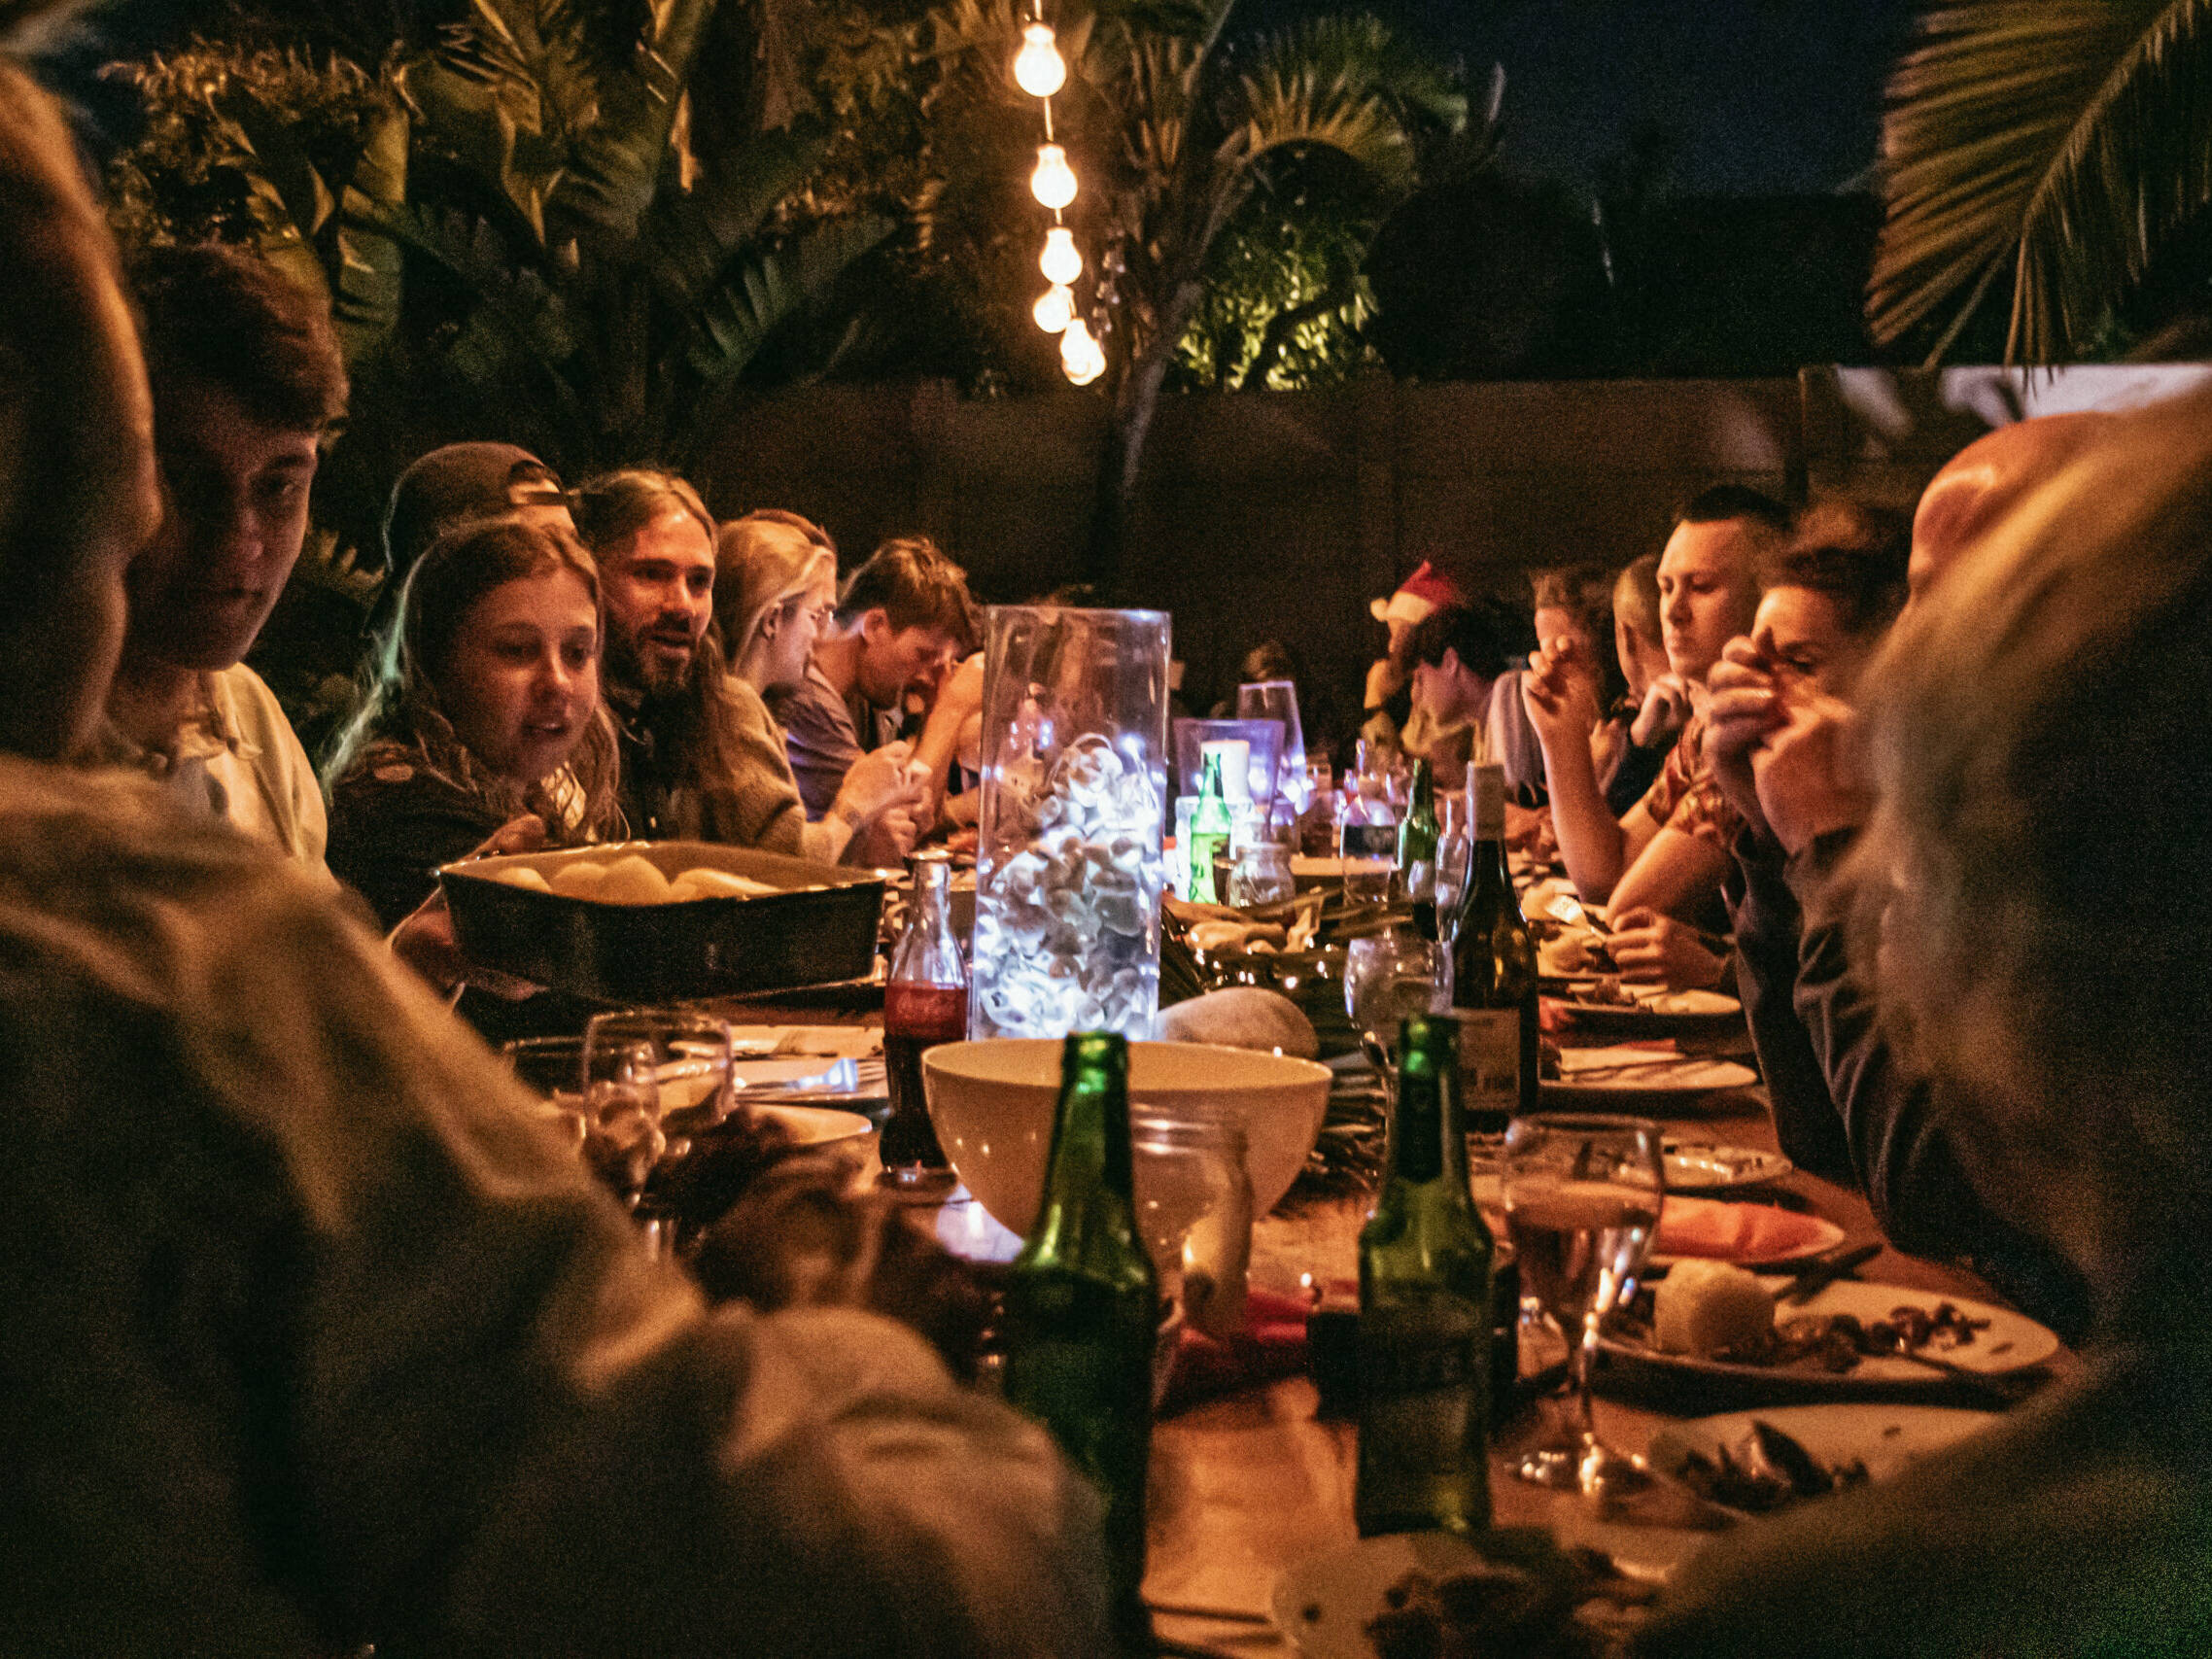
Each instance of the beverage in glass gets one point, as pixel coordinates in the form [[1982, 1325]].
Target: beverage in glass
[[925, 1003]]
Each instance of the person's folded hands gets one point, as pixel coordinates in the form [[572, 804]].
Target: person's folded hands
[[1808, 772], [1651, 949]]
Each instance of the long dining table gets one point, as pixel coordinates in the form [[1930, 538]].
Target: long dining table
[[1252, 1481]]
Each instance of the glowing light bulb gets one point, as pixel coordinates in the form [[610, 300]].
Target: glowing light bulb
[[1038, 70], [1054, 181], [1055, 309], [1061, 262], [1083, 358]]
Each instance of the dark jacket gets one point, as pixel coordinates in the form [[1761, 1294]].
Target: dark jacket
[[1845, 1104]]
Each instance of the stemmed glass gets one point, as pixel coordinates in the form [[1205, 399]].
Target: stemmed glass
[[1278, 700], [1455, 852], [1386, 978], [1582, 1199], [1195, 1211], [652, 1079]]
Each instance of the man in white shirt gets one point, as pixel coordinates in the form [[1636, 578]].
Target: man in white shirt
[[247, 387]]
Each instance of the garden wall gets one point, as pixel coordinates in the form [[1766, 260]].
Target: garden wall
[[1282, 513]]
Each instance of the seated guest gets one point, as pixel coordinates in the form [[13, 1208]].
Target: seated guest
[[247, 387], [454, 485], [774, 589], [1668, 853], [1655, 704], [2056, 997], [1574, 601], [316, 1337], [1846, 1103], [484, 709], [1388, 702], [901, 617], [1456, 656]]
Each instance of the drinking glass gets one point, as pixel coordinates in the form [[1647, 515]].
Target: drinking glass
[[652, 1079], [1278, 700], [1386, 978], [1455, 850], [1195, 1211], [1582, 1196]]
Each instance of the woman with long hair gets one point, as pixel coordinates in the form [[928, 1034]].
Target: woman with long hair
[[774, 588], [482, 708]]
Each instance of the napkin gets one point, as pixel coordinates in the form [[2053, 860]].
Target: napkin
[[1271, 1345], [1733, 1232]]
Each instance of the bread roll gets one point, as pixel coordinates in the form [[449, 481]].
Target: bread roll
[[1705, 1307]]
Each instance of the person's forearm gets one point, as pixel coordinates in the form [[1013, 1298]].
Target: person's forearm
[[1591, 839], [1677, 874]]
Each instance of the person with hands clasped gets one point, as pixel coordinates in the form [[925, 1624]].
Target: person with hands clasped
[[1669, 853]]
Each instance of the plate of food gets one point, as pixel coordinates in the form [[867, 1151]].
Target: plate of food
[[1767, 1460], [1605, 1076], [1695, 1166], [817, 1126], [1610, 1005], [1399, 1595], [1750, 1235], [1712, 1322]]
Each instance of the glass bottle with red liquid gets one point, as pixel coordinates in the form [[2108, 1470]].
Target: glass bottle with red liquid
[[925, 1003]]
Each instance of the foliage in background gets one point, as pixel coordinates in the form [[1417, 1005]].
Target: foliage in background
[[1285, 305], [2063, 143]]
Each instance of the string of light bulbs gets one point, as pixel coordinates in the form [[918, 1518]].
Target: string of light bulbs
[[1040, 71]]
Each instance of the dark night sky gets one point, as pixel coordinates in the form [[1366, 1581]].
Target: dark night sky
[[1764, 95]]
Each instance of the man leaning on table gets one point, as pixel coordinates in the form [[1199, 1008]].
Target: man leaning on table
[[314, 1338]]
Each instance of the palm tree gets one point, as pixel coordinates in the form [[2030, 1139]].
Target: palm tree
[[2062, 141]]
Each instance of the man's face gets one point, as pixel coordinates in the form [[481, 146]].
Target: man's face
[[891, 659], [234, 516], [1801, 632], [1707, 593], [659, 590]]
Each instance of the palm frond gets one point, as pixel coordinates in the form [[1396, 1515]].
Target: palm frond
[[694, 233], [772, 287], [619, 156], [2068, 138]]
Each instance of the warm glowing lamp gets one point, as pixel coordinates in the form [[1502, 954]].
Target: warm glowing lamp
[[1038, 70], [1055, 309], [1061, 262], [1054, 181], [1083, 358]]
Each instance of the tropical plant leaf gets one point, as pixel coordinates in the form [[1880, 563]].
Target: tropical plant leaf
[[693, 233], [620, 157], [2065, 138], [770, 288], [366, 297]]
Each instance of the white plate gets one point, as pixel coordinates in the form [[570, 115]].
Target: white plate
[[1321, 1606], [1823, 1236], [1883, 1436], [1657, 1011], [818, 1126], [1695, 1166], [2013, 1342], [1620, 1074]]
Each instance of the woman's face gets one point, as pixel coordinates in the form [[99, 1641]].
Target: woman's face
[[1801, 632], [524, 679], [790, 630]]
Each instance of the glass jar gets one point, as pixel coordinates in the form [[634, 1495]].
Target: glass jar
[[1069, 856]]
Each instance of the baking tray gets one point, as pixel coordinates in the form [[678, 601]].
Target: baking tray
[[821, 929]]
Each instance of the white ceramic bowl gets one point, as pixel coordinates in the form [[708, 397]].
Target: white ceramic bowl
[[992, 1102]]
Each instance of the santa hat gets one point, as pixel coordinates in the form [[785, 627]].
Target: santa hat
[[1418, 597]]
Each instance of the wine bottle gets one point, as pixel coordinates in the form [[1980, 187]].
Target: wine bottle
[[1418, 834], [1082, 1307], [1494, 975], [1425, 1319]]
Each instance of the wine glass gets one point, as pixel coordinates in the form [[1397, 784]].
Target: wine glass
[[652, 1079], [1278, 700], [1583, 1198], [1386, 978], [1195, 1211], [1455, 853]]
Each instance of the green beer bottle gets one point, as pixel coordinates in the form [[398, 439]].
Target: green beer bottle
[[1418, 834], [1211, 823], [1425, 1290], [1082, 1306]]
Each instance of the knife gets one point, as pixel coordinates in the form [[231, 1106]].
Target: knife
[[1816, 1277]]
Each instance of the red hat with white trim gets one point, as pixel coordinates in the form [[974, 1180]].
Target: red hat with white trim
[[1418, 597]]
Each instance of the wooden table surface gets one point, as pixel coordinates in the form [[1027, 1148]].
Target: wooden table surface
[[1251, 1482]]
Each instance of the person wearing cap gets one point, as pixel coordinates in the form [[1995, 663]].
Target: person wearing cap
[[451, 486], [1389, 701], [248, 388]]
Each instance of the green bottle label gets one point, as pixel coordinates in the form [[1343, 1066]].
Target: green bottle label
[[1489, 1062]]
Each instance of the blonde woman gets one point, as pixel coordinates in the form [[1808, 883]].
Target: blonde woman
[[774, 588]]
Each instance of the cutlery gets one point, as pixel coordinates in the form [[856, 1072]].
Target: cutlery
[[1817, 1275]]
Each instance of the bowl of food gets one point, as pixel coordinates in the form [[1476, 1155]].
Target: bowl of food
[[993, 1104], [658, 921]]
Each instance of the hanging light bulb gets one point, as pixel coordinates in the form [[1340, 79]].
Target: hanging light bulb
[[1055, 309], [1038, 70], [1054, 181], [1061, 262], [1083, 358]]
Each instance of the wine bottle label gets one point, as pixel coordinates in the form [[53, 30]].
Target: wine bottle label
[[1490, 802], [1371, 844], [1490, 1060]]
